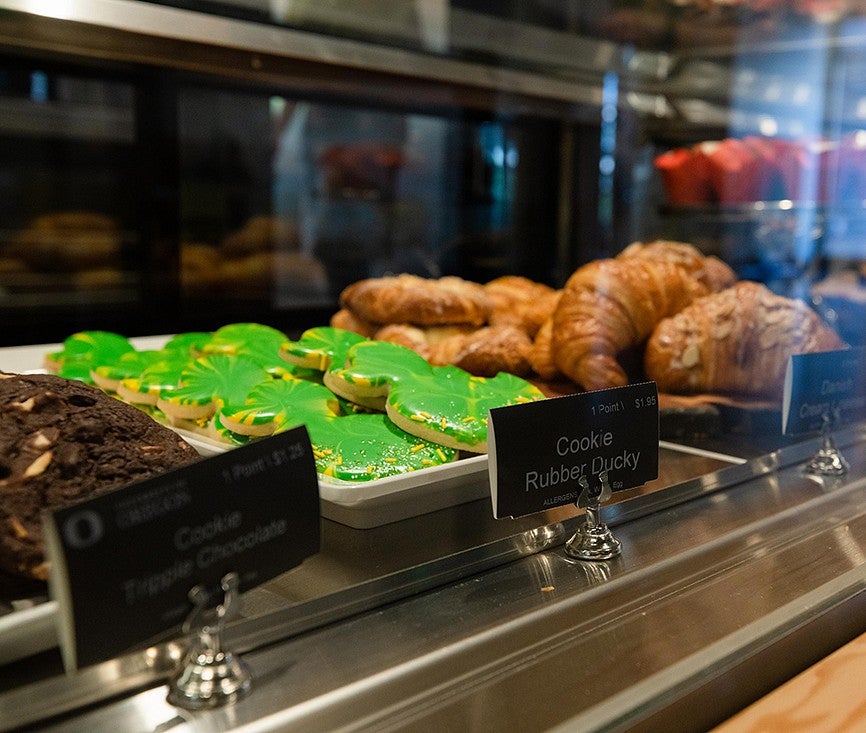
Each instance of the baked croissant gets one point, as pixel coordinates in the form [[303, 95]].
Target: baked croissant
[[709, 270], [737, 341], [610, 305]]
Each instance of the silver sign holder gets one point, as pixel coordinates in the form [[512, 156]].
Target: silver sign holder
[[209, 676], [593, 540], [828, 461]]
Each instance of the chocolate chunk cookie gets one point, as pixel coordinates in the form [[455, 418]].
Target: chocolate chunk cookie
[[62, 441]]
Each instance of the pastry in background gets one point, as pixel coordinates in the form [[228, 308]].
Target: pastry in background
[[200, 268], [418, 300], [69, 241], [734, 342], [709, 270], [612, 305], [520, 302], [541, 356], [348, 321], [437, 344], [489, 351], [261, 233], [263, 256]]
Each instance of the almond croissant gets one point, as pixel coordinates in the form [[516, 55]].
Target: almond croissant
[[737, 341], [610, 305], [709, 270]]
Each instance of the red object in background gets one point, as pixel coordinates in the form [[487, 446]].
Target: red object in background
[[364, 167], [685, 177], [736, 172]]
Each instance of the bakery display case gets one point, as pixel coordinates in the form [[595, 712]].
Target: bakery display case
[[693, 171]]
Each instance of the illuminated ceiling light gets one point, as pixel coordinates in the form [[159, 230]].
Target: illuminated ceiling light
[[768, 126]]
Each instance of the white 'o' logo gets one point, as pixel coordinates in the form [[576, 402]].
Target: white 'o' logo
[[82, 529]]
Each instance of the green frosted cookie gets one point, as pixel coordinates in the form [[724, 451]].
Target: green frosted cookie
[[153, 380], [128, 365], [189, 344], [371, 369], [209, 382], [319, 347], [362, 447], [277, 403], [82, 350], [441, 404], [251, 340], [356, 447]]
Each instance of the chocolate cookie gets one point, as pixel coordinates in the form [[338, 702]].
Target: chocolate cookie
[[62, 441]]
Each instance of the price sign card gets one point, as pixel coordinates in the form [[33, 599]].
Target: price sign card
[[539, 450], [831, 383], [123, 563]]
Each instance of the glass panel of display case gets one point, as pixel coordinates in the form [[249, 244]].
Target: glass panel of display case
[[284, 202], [71, 238]]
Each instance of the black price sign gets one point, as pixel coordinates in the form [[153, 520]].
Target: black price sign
[[539, 450], [827, 385], [123, 563]]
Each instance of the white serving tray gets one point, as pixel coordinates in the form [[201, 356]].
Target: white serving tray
[[366, 504], [28, 631]]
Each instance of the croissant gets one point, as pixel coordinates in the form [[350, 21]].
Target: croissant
[[737, 341], [610, 305], [709, 270], [520, 302], [541, 355]]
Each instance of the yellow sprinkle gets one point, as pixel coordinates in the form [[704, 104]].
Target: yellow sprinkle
[[440, 454], [484, 420], [369, 469], [443, 423], [390, 460], [469, 418], [416, 448], [426, 462], [425, 414], [417, 418]]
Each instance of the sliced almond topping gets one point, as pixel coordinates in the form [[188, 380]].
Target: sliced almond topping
[[26, 406], [39, 465], [40, 441], [18, 528], [691, 356], [723, 329]]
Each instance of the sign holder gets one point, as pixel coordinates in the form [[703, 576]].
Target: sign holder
[[210, 676], [593, 539], [828, 461]]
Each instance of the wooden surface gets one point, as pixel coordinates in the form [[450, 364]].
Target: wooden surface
[[829, 696]]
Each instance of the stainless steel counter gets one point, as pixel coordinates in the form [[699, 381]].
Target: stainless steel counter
[[734, 576]]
